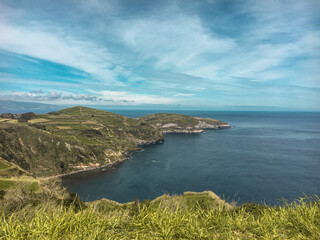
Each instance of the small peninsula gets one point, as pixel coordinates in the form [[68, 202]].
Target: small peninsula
[[82, 138]]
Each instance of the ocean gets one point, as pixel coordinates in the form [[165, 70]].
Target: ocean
[[263, 158]]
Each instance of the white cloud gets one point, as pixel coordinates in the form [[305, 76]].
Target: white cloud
[[176, 43], [134, 98], [63, 49], [184, 94]]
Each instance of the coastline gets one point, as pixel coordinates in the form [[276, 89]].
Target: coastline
[[195, 131], [128, 155]]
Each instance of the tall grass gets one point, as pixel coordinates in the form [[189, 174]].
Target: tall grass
[[292, 220]]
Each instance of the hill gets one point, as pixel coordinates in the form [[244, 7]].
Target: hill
[[81, 138], [72, 139]]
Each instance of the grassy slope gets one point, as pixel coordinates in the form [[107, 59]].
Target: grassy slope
[[67, 140], [9, 169], [57, 143], [198, 219], [3, 165], [29, 184]]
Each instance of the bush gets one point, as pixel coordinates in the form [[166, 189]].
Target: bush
[[2, 193], [28, 116]]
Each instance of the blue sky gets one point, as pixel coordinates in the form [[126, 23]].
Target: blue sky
[[200, 54]]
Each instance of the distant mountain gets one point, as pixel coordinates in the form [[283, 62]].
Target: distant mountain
[[7, 106]]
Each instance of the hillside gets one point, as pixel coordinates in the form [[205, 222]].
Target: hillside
[[80, 138], [189, 216], [72, 139], [176, 123]]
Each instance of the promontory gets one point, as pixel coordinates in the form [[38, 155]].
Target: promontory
[[81, 138]]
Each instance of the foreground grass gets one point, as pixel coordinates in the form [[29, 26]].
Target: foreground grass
[[295, 220]]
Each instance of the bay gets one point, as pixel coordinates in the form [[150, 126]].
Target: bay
[[263, 157]]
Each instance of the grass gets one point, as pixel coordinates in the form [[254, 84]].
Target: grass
[[38, 120], [292, 220], [28, 184], [3, 165], [13, 121], [71, 136], [6, 184], [79, 135]]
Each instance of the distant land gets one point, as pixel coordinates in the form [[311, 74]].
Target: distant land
[[7, 106], [22, 107]]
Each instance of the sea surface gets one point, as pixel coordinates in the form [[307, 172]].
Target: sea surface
[[263, 157]]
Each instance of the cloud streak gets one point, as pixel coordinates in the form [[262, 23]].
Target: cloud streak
[[161, 52]]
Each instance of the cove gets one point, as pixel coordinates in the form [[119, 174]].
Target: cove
[[263, 157]]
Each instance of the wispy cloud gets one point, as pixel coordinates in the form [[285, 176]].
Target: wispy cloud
[[161, 52], [52, 96], [134, 98], [184, 95], [174, 43], [64, 49]]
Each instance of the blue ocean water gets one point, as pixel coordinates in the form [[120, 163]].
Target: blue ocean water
[[263, 157]]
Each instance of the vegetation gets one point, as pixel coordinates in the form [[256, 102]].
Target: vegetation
[[179, 217], [3, 166], [170, 122], [71, 139], [79, 137], [52, 212]]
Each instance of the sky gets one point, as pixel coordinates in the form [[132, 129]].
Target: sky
[[210, 54]]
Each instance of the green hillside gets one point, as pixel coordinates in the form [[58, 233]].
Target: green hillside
[[195, 216], [72, 139], [80, 138]]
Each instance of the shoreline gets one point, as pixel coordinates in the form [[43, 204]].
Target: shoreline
[[128, 155]]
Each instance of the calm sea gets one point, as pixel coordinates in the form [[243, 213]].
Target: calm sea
[[263, 157]]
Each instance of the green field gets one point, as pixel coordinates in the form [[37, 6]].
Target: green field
[[30, 185], [3, 165], [6, 184]]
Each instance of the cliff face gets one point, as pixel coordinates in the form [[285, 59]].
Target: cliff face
[[175, 123], [81, 138]]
